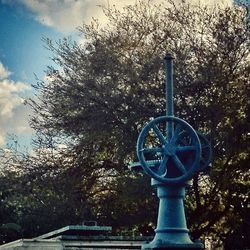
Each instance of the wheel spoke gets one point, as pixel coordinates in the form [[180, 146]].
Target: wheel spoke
[[159, 134], [179, 164], [176, 133], [151, 150], [163, 166], [185, 148]]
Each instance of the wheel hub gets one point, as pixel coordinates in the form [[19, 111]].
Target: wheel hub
[[168, 149]]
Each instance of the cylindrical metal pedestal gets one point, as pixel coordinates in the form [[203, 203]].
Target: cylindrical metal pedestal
[[171, 231]]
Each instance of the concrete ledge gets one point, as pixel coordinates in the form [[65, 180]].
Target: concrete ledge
[[57, 244], [29, 244], [76, 230]]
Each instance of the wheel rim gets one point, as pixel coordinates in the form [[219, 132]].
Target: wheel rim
[[169, 150]]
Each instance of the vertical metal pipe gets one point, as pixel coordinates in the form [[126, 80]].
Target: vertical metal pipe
[[169, 94], [169, 85]]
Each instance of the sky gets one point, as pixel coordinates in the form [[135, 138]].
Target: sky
[[23, 24]]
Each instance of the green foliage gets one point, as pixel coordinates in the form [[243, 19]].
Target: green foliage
[[106, 89]]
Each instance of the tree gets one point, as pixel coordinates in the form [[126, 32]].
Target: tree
[[105, 90]]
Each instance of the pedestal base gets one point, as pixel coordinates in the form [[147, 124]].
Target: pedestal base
[[171, 231], [160, 245]]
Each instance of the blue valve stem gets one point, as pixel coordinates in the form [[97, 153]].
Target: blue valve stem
[[169, 92]]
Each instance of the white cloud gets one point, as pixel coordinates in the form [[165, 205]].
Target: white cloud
[[13, 114], [66, 15], [2, 139], [212, 2], [4, 73], [9, 96]]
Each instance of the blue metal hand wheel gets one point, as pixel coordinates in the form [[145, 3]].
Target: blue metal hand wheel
[[173, 145]]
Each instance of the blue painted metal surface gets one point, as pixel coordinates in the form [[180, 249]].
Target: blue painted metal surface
[[169, 91], [171, 152], [179, 155], [171, 231]]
